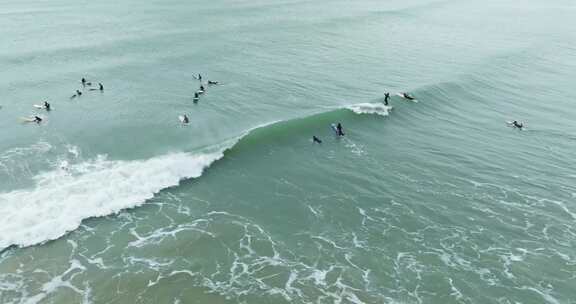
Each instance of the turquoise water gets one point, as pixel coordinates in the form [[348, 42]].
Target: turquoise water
[[112, 200]]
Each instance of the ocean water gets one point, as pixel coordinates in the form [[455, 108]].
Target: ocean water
[[111, 200]]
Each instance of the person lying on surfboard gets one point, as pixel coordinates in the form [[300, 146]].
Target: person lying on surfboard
[[316, 139], [46, 106], [212, 82], [405, 95], [37, 119], [517, 125]]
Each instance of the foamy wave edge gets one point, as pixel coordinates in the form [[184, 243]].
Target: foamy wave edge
[[63, 198]]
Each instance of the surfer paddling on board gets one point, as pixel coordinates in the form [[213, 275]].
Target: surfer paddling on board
[[518, 125], [210, 82], [37, 119], [386, 98], [316, 139], [185, 119], [83, 80], [46, 106], [405, 95]]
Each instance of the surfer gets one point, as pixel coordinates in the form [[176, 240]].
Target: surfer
[[339, 130], [46, 106], [78, 94], [405, 95], [185, 119], [202, 88], [196, 96], [100, 87], [83, 81], [37, 119], [199, 77], [517, 124], [212, 82], [386, 98], [316, 139]]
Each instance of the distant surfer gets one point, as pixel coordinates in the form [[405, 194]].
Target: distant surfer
[[405, 95], [210, 82], [37, 119], [185, 119], [78, 94], [196, 96], [316, 139], [100, 87], [202, 88], [199, 77], [46, 106], [83, 81], [339, 130], [386, 98], [517, 124]]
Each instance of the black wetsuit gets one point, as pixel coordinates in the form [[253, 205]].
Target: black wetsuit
[[83, 81], [386, 98], [101, 87], [339, 130], [37, 119], [46, 106], [316, 139]]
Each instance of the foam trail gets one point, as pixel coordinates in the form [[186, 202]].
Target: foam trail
[[370, 108], [63, 198]]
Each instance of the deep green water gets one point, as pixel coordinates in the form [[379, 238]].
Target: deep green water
[[112, 200]]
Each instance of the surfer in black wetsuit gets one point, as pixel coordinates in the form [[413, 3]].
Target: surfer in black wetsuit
[[185, 119], [83, 81], [386, 98], [316, 139], [37, 119], [199, 77], [100, 87], [405, 95], [517, 125], [212, 82], [46, 106], [202, 88], [339, 130]]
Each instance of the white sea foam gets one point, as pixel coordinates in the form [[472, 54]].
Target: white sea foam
[[370, 108], [61, 199]]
